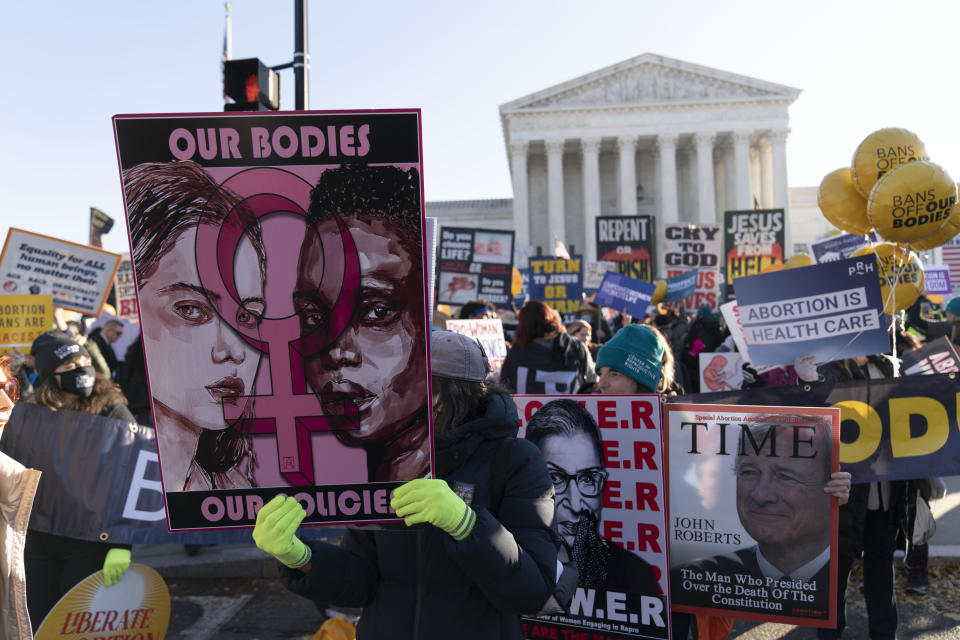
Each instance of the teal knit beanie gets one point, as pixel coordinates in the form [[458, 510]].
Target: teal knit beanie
[[636, 352], [953, 306]]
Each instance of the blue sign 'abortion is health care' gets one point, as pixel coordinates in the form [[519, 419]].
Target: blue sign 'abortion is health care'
[[831, 311]]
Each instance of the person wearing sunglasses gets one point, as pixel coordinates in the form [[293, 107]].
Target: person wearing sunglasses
[[18, 485], [569, 439]]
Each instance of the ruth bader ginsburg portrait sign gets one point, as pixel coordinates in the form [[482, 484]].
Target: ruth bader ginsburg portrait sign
[[279, 265], [604, 456], [752, 532]]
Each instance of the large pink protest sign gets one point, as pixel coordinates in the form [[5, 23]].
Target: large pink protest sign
[[279, 264]]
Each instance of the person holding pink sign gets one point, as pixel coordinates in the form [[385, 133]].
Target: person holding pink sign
[[478, 549]]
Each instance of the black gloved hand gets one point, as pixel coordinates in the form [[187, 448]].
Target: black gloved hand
[[591, 552]]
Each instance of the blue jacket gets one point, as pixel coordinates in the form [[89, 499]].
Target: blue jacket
[[419, 583]]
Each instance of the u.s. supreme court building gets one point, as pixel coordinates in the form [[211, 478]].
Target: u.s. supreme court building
[[651, 136]]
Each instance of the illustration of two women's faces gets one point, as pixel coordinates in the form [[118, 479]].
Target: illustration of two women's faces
[[376, 363]]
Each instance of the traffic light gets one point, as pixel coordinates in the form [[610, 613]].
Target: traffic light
[[252, 85]]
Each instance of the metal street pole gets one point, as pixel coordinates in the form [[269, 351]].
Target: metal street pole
[[301, 55]]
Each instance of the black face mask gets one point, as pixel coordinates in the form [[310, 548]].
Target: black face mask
[[78, 381]]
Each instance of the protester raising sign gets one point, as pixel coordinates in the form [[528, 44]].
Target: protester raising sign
[[125, 292], [474, 263], [937, 279], [628, 241], [732, 552], [625, 294], [138, 608], [76, 276], [489, 332], [938, 356], [829, 311], [310, 248], [594, 272], [688, 246], [839, 247], [720, 371], [753, 241], [695, 246], [22, 319], [681, 286], [559, 283], [603, 454]]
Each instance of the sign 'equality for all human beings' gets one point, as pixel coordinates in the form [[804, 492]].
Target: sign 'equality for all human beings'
[[76, 276]]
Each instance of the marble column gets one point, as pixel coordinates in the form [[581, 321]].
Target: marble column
[[555, 193], [781, 190], [706, 198], [521, 209], [627, 146], [667, 145], [778, 151], [591, 195], [741, 169], [766, 173]]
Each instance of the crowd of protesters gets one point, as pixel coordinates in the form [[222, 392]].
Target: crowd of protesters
[[75, 369], [874, 522]]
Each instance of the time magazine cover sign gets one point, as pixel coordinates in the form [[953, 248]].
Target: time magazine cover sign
[[279, 260], [604, 457], [752, 533]]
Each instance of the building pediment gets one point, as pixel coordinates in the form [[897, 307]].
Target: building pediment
[[649, 80]]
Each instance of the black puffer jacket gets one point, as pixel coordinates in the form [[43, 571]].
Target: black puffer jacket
[[853, 514], [561, 365], [421, 584]]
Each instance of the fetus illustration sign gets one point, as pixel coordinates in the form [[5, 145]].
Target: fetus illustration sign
[[279, 264]]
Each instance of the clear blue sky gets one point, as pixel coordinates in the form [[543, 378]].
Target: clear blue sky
[[71, 65]]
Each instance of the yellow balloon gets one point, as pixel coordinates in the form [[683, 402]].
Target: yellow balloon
[[798, 260], [882, 151], [516, 283], [776, 266], [942, 235], [660, 291], [912, 201], [842, 204], [896, 267]]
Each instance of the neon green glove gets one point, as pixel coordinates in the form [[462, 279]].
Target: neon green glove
[[274, 532], [115, 565], [431, 500]]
